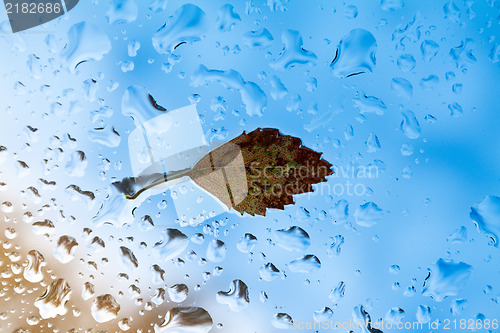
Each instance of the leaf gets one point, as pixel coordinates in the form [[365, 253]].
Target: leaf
[[251, 173]]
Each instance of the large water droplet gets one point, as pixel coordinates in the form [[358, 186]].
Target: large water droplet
[[459, 235], [335, 247], [186, 320], [293, 53], [368, 214], [178, 293], [402, 87], [322, 315], [337, 293], [457, 306], [128, 258], [86, 42], [429, 49], [355, 54], [247, 243], [227, 18], [369, 104], [53, 301], [33, 271], [446, 278], [188, 25], [269, 272], [104, 308], [394, 315], [410, 125], [423, 314], [172, 244], [258, 39], [292, 239], [65, 249], [306, 264], [282, 321], [236, 298], [77, 164], [88, 290], [486, 217]]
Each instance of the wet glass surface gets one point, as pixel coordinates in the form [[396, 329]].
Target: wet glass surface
[[399, 96]]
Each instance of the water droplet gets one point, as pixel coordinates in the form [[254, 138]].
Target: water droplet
[[406, 62], [158, 5], [335, 247], [65, 249], [306, 264], [279, 90], [368, 214], [337, 293], [124, 324], [430, 82], [486, 217], [355, 54], [423, 314], [394, 315], [227, 18], [351, 12], [451, 11], [87, 290], [410, 125], [459, 235], [106, 136], [455, 109], [158, 274], [258, 39], [216, 251], [446, 278], [77, 164], [86, 42], [293, 52], [189, 320], [429, 49], [159, 296], [247, 243], [173, 243], [322, 315], [43, 227], [392, 5], [133, 47], [236, 298], [369, 104], [394, 269], [282, 321], [178, 293], [269, 272], [53, 302], [457, 88], [33, 271], [122, 11], [128, 258], [104, 308], [292, 239], [402, 87], [188, 25], [457, 306], [372, 143]]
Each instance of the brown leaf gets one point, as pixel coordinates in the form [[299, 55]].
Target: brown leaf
[[260, 170]]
